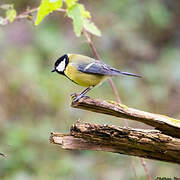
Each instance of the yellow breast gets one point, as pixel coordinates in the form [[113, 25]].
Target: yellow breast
[[83, 79]]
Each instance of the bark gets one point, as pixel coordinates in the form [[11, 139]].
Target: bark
[[163, 123], [151, 144]]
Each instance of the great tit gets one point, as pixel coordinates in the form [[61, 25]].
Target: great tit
[[85, 71]]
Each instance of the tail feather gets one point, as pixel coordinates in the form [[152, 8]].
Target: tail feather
[[117, 72], [130, 74]]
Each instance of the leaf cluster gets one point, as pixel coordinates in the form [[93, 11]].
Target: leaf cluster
[[74, 10]]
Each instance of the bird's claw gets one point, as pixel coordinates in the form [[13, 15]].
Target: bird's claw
[[75, 97]]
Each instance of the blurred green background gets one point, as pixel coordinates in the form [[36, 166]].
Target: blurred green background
[[137, 36]]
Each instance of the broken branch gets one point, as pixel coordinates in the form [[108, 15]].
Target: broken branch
[[151, 144], [163, 123]]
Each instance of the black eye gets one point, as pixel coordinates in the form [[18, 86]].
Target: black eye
[[57, 62]]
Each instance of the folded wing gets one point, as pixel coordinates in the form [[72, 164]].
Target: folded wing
[[99, 68]]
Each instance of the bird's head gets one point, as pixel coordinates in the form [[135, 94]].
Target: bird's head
[[60, 64]]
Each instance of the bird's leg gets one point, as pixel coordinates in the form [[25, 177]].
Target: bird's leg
[[82, 94]]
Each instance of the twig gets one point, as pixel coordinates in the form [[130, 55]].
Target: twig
[[143, 162], [3, 155], [27, 13], [166, 124], [86, 35], [20, 16], [151, 144]]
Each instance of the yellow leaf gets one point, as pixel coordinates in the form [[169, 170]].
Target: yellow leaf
[[46, 7], [11, 14], [84, 13]]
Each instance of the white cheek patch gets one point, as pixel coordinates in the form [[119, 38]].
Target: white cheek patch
[[61, 66]]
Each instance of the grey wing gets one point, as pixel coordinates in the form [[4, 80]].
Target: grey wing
[[97, 67]]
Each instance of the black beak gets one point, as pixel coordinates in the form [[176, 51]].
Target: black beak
[[53, 70]]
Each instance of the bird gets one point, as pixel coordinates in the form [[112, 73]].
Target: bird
[[85, 71]]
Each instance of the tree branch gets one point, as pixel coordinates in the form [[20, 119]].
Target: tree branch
[[163, 123], [27, 14], [151, 144]]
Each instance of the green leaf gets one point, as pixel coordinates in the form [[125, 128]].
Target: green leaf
[[91, 27], [75, 14], [46, 7], [11, 14], [84, 13], [70, 3]]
